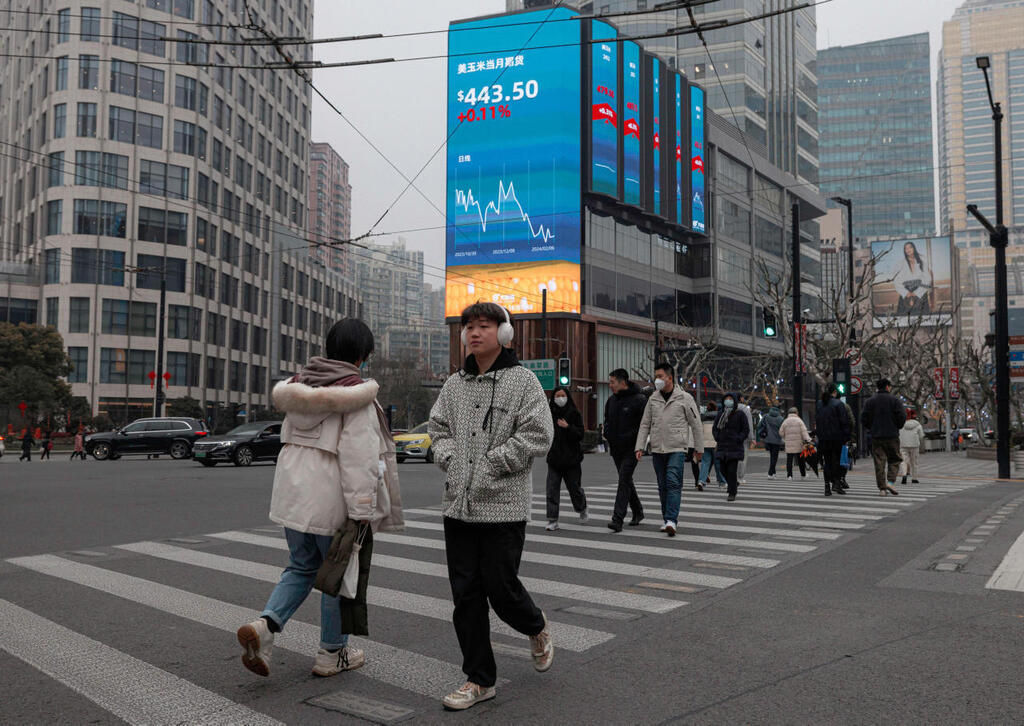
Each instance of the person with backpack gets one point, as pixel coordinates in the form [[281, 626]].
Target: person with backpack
[[336, 471], [833, 429], [911, 441], [768, 432], [794, 435], [565, 457], [489, 423], [731, 431]]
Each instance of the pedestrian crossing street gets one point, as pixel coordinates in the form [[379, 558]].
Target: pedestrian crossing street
[[592, 584]]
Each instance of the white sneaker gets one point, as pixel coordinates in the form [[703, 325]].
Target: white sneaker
[[771, 476], [552, 526], [789, 478], [468, 695], [345, 659], [670, 529], [664, 527], [258, 642], [541, 648], [742, 481], [584, 517]]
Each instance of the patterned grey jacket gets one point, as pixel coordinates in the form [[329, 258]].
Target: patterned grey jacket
[[486, 431]]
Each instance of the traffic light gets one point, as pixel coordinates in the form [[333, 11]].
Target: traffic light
[[564, 371], [770, 329], [841, 375]]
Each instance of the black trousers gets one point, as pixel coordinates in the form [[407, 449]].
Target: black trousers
[[773, 457], [790, 458], [625, 464], [483, 567], [573, 477], [830, 453], [730, 469]]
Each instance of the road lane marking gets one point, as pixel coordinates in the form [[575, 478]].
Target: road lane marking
[[1010, 573], [133, 690], [554, 588], [570, 637]]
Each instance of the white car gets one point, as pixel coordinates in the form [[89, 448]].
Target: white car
[[2, 450]]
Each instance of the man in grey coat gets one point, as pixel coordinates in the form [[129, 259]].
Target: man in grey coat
[[672, 422], [488, 425]]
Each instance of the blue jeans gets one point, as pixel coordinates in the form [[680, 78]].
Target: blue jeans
[[706, 462], [669, 470], [306, 552]]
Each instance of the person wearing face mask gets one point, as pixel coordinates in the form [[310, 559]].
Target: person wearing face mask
[[833, 428], [565, 457], [672, 422], [731, 430]]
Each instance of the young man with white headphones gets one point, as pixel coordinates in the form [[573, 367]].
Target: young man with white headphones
[[489, 423]]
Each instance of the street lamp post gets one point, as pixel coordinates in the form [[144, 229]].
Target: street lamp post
[[998, 239], [848, 203]]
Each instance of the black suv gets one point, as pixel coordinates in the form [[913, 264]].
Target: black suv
[[174, 436], [255, 441]]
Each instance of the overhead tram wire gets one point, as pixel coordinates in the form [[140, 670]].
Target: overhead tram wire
[[317, 65]]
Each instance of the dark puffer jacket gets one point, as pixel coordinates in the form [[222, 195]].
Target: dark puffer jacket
[[566, 450], [731, 430], [623, 413], [884, 416], [832, 422]]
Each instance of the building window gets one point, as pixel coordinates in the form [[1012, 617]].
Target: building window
[[151, 84], [214, 372], [78, 318], [60, 118], [187, 52], [151, 268], [87, 120], [149, 130], [123, 77], [90, 24], [185, 92], [156, 225], [91, 266], [54, 216], [126, 31], [149, 38], [118, 365], [89, 72], [116, 319], [189, 139], [96, 169], [79, 372], [55, 172], [184, 8], [52, 311], [52, 266], [105, 218], [61, 80], [237, 377], [63, 26], [122, 124]]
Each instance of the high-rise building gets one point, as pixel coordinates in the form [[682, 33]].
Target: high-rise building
[[126, 160], [874, 102], [993, 28], [761, 76], [330, 207]]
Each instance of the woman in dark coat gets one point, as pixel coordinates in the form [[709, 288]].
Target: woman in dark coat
[[565, 457], [26, 445], [832, 425], [731, 430]]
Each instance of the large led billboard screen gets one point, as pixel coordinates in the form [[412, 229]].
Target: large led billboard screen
[[604, 121], [697, 188], [656, 131], [513, 166], [631, 123]]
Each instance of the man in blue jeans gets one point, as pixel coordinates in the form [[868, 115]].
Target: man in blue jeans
[[672, 422]]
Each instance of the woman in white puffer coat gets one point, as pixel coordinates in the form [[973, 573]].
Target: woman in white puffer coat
[[911, 440], [794, 435]]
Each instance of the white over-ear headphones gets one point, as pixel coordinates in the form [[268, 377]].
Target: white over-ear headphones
[[505, 331]]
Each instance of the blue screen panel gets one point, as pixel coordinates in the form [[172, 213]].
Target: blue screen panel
[[631, 123], [513, 162], [680, 93], [697, 193], [604, 132], [656, 132]]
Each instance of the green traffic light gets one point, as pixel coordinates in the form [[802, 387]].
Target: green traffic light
[[841, 388], [564, 380], [769, 331]]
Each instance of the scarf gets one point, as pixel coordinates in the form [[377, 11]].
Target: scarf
[[320, 372]]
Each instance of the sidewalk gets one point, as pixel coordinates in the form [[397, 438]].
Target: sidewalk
[[936, 465]]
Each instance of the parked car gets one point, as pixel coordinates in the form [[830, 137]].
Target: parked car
[[242, 445], [415, 444], [170, 435], [2, 448]]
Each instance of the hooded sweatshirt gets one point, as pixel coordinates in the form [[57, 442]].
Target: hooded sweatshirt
[[768, 429], [338, 461]]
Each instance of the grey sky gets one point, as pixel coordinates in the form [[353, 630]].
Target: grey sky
[[400, 107]]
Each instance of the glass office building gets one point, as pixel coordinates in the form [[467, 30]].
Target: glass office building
[[874, 102]]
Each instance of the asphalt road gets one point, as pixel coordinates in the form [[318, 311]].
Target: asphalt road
[[118, 603]]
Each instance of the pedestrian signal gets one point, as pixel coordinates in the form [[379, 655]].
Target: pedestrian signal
[[564, 371], [841, 375], [770, 328]]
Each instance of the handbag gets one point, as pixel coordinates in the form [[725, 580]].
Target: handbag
[[844, 457], [808, 451], [342, 556]]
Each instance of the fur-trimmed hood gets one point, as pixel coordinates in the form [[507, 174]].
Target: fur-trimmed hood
[[298, 398]]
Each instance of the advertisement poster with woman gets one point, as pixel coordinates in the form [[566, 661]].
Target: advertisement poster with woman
[[913, 281]]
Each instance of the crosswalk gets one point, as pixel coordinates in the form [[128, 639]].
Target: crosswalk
[[591, 583]]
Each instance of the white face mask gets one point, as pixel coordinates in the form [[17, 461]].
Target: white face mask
[[561, 400], [728, 403], [659, 384]]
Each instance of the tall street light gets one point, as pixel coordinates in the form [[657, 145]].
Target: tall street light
[[998, 239], [848, 203]]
